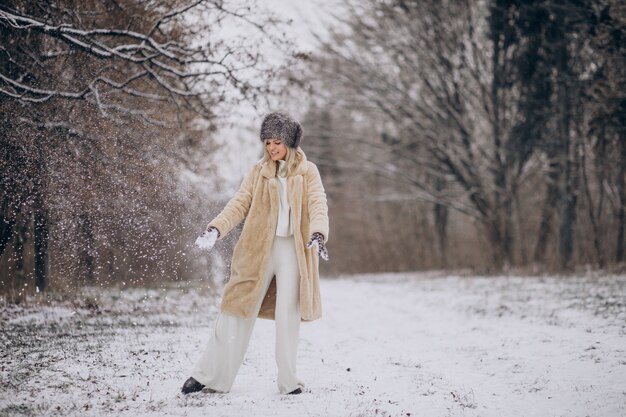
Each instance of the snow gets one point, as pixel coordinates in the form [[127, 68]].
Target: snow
[[206, 240], [405, 344]]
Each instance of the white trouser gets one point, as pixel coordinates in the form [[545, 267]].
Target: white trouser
[[227, 345]]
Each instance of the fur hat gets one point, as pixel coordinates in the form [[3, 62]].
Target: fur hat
[[281, 126]]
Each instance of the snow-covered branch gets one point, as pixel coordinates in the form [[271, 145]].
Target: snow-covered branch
[[151, 61]]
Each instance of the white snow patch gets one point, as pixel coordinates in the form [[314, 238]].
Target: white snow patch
[[388, 345]]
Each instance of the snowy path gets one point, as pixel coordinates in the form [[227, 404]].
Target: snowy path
[[392, 344]]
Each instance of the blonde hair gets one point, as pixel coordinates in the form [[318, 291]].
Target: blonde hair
[[292, 159]]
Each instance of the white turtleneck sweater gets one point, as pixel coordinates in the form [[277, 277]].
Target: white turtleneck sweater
[[284, 226]]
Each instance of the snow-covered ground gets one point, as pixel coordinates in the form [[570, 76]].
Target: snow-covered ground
[[388, 345]]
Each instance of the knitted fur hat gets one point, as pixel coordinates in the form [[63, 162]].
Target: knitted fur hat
[[281, 126]]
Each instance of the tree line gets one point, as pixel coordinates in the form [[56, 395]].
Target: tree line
[[494, 131], [107, 109], [457, 134]]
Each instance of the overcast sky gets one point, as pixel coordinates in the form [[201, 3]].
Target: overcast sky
[[305, 14], [243, 144]]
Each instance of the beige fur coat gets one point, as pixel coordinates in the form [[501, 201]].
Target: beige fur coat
[[257, 201]]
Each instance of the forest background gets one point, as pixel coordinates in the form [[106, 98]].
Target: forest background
[[486, 136]]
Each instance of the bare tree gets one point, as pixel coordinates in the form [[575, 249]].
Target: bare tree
[[606, 140], [454, 106], [501, 111], [102, 105], [143, 53]]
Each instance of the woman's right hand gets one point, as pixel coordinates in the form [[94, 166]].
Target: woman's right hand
[[208, 238]]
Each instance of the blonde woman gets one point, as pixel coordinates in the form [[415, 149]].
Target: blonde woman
[[274, 269]]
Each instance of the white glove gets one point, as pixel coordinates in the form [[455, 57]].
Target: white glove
[[207, 239]]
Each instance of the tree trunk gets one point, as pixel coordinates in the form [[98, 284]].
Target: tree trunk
[[41, 247], [567, 196], [495, 238], [441, 223], [566, 230], [521, 230], [621, 220], [595, 227], [501, 230], [87, 251], [545, 225], [507, 229], [621, 211], [7, 223], [18, 285], [440, 212]]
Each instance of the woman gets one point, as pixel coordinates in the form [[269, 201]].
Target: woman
[[274, 270]]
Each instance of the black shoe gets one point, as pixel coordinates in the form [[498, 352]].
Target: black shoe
[[191, 385], [295, 391]]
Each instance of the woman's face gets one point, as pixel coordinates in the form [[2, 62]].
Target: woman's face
[[276, 149]]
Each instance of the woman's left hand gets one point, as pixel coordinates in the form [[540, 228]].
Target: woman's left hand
[[318, 239]]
